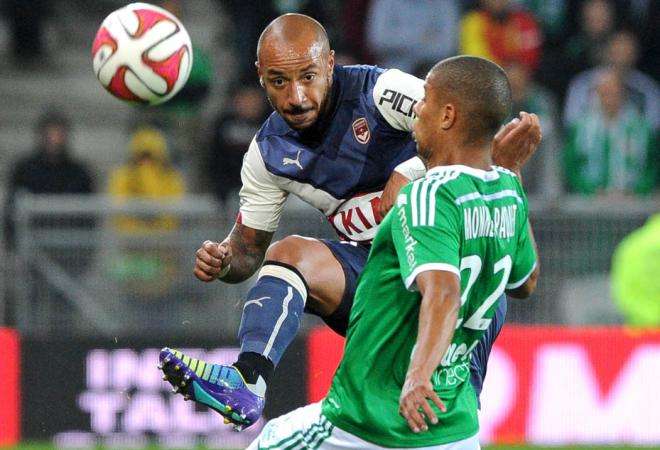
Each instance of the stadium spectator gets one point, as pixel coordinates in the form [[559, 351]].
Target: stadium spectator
[[147, 175], [403, 33], [354, 19], [502, 33], [26, 27], [611, 148], [587, 48], [567, 51], [232, 133], [49, 169], [541, 174], [645, 15], [247, 19], [635, 280], [621, 56], [550, 15]]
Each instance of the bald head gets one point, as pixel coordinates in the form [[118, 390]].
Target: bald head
[[293, 34], [481, 90]]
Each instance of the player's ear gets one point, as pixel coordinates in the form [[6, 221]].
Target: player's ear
[[447, 116], [331, 61], [261, 77]]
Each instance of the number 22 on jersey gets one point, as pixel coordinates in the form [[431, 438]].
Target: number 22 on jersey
[[474, 264]]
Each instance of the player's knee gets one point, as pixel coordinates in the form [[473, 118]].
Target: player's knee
[[289, 250]]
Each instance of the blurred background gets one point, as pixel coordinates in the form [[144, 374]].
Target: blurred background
[[104, 204]]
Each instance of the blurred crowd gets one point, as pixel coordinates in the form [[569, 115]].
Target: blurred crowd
[[588, 68]]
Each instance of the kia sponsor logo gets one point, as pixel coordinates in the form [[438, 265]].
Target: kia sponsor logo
[[358, 217]]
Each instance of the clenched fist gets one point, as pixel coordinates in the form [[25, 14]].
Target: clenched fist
[[517, 141], [211, 259]]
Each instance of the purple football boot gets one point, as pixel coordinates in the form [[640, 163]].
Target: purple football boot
[[221, 388]]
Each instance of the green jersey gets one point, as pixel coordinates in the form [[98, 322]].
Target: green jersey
[[459, 219]]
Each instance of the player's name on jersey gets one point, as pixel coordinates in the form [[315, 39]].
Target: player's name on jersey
[[479, 223]]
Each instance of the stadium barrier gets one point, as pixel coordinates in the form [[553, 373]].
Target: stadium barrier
[[103, 271], [96, 277], [545, 385], [10, 389]]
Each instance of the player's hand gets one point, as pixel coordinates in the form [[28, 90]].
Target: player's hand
[[517, 141], [210, 259], [414, 403], [392, 188]]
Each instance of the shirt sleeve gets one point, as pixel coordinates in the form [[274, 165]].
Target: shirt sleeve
[[525, 259], [413, 168], [395, 95], [261, 198], [426, 231]]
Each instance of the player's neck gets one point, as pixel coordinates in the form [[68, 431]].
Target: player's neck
[[477, 156]]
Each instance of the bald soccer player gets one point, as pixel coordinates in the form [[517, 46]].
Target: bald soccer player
[[455, 240], [338, 134]]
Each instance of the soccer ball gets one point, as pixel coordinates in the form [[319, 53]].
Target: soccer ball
[[142, 54]]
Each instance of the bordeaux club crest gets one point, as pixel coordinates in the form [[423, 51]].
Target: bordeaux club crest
[[361, 130]]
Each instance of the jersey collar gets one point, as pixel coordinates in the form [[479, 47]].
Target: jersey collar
[[486, 175]]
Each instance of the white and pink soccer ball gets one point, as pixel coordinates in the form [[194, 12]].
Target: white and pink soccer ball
[[142, 54]]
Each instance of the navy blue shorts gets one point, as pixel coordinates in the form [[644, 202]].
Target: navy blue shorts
[[353, 258], [480, 354]]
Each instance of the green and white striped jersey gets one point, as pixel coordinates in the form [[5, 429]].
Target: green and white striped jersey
[[459, 219]]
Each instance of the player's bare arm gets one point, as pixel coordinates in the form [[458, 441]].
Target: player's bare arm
[[392, 188], [438, 314], [236, 258], [529, 286], [513, 145]]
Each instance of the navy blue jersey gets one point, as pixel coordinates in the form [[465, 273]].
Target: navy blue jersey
[[344, 167]]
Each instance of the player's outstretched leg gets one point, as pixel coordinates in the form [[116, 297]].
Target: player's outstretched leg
[[221, 388], [480, 354], [271, 318], [270, 322]]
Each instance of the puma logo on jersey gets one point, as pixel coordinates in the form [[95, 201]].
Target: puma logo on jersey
[[256, 301], [295, 162]]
